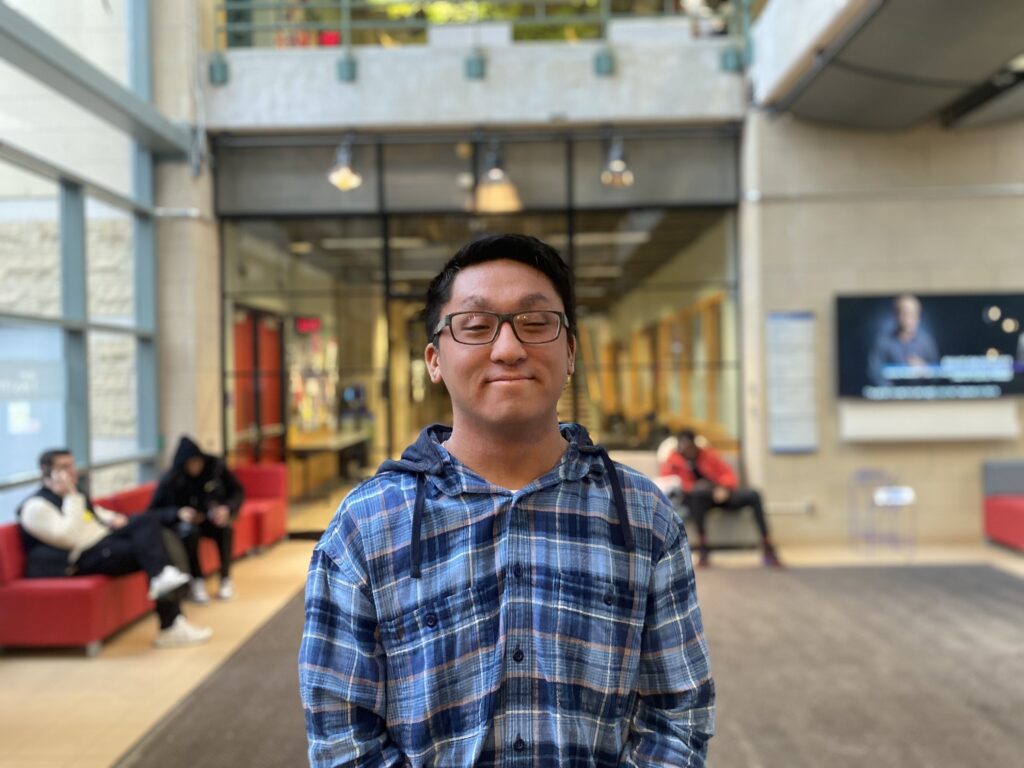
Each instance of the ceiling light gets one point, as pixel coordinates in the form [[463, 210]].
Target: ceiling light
[[300, 247], [495, 192], [615, 172], [342, 175]]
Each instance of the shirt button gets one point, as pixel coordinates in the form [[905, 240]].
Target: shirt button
[[520, 745], [517, 655], [517, 570], [608, 598], [431, 620]]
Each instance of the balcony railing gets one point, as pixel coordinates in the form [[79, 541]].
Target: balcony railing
[[328, 23]]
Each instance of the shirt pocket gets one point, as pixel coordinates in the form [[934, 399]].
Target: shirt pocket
[[599, 629], [441, 667]]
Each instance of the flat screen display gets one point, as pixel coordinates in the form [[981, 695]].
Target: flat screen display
[[918, 346]]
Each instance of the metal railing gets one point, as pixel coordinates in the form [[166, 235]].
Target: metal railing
[[330, 23]]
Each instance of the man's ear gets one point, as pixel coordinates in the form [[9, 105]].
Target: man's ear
[[572, 355], [433, 360]]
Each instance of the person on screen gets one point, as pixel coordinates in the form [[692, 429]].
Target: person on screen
[[904, 343], [505, 594]]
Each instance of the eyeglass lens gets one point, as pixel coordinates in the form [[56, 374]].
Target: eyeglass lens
[[482, 327]]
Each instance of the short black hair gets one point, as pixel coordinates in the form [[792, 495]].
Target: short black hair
[[47, 457], [522, 248], [687, 434]]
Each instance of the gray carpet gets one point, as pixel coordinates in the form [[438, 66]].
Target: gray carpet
[[900, 667], [816, 668], [247, 713]]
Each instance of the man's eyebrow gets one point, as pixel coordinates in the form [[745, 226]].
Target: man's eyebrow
[[529, 300]]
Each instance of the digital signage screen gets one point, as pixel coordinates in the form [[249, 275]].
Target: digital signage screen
[[917, 346]]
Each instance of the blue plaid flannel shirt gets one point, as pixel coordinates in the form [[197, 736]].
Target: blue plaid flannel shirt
[[532, 636]]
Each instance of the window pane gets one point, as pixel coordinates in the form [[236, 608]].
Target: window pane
[[658, 344], [110, 480], [29, 244], [32, 397], [113, 407], [11, 499], [110, 264], [704, 171], [98, 32]]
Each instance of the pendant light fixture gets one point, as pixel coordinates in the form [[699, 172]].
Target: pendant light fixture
[[495, 192], [615, 172], [342, 174]]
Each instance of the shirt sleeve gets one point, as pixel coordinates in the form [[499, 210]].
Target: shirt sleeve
[[675, 714], [45, 522], [342, 672], [233, 492]]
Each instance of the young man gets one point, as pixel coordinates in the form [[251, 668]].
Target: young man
[[66, 535], [709, 482], [505, 593], [198, 496]]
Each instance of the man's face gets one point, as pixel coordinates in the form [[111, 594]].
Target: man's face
[[506, 383], [64, 469], [194, 466], [688, 448], [908, 315]]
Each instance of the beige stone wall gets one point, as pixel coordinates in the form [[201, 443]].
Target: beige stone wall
[[30, 266], [828, 211]]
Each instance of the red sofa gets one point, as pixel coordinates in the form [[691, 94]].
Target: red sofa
[[1003, 484], [85, 610], [1004, 520], [266, 495], [63, 612]]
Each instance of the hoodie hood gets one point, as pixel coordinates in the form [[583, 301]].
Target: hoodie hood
[[186, 450], [426, 459]]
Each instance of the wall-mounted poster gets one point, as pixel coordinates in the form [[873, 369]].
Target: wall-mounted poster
[[792, 390]]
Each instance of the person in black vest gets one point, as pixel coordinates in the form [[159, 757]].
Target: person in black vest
[[65, 534], [199, 496]]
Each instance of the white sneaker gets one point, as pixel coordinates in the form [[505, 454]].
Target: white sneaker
[[180, 633], [197, 591], [226, 591], [168, 580]]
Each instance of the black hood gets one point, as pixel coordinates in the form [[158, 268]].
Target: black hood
[[187, 448]]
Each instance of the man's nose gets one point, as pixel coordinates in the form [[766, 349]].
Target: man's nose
[[507, 347]]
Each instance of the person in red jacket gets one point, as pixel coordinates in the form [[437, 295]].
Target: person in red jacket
[[709, 482]]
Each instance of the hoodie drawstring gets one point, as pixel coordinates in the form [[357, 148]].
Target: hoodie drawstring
[[620, 501], [415, 552]]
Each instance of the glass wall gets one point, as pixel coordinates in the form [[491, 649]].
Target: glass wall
[[75, 341], [654, 262]]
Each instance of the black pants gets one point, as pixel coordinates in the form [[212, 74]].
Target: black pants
[[223, 537], [700, 503], [138, 546]]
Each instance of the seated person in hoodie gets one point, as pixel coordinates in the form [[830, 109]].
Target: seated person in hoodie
[[65, 534], [709, 482], [198, 496]]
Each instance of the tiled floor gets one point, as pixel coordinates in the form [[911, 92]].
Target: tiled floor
[[61, 709]]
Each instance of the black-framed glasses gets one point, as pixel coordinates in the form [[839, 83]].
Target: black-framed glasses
[[540, 326]]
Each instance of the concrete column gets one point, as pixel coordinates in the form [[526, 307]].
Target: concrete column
[[188, 251]]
